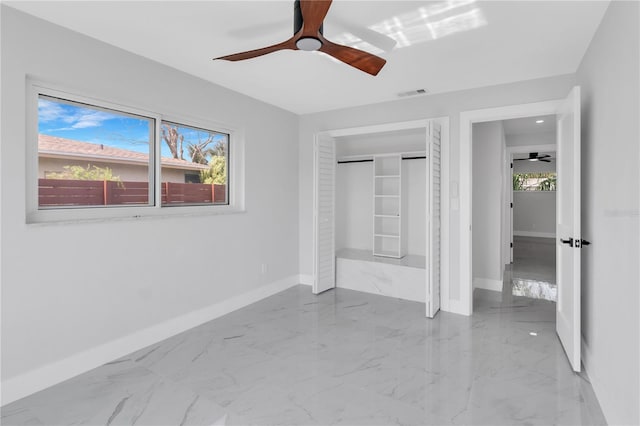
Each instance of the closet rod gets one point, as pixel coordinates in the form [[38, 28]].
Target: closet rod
[[371, 159]]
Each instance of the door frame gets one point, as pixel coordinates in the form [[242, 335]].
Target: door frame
[[511, 150], [444, 188], [464, 305]]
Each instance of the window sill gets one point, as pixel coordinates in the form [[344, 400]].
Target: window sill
[[113, 214]]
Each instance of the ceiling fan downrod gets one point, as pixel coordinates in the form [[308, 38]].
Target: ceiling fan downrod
[[304, 43]]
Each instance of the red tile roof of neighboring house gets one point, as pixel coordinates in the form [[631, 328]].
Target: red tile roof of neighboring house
[[51, 146]]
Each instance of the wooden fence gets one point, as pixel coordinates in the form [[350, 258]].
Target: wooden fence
[[59, 192]]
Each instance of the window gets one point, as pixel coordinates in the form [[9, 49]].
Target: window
[[186, 149], [534, 181], [90, 156], [92, 159]]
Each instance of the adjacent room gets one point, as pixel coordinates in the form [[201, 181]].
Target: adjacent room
[[313, 212]]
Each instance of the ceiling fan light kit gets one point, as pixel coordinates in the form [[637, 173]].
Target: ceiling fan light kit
[[308, 44], [308, 17]]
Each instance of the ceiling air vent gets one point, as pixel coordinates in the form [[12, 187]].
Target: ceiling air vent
[[413, 93]]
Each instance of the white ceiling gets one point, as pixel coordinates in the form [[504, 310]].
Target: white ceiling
[[529, 125], [444, 45]]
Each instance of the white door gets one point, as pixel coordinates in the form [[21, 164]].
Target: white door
[[324, 259], [568, 232], [433, 219]]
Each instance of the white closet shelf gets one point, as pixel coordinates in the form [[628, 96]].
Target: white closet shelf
[[395, 216], [386, 235], [387, 196], [386, 253], [387, 176]]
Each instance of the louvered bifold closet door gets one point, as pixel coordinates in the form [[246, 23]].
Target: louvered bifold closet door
[[434, 214], [324, 215]]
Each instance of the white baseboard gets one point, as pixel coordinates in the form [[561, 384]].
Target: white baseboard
[[534, 234], [305, 279], [41, 378], [487, 284]]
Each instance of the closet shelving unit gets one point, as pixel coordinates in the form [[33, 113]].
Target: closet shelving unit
[[388, 222]]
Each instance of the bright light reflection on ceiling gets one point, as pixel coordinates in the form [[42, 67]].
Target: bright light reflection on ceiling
[[427, 23]]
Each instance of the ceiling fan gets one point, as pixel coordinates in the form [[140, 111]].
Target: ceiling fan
[[307, 35], [533, 156]]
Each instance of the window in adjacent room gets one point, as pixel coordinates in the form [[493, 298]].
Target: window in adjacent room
[[534, 181]]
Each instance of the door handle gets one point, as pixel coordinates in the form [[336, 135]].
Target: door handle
[[569, 241], [582, 243]]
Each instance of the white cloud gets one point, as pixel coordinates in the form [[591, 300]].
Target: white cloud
[[49, 111], [75, 117], [90, 119]]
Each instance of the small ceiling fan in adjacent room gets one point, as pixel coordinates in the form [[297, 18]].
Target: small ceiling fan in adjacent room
[[533, 156], [308, 35]]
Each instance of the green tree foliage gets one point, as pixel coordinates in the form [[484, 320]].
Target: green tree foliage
[[92, 172], [534, 181], [518, 181], [202, 148], [217, 172]]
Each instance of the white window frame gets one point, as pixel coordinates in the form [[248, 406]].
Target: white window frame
[[235, 177]]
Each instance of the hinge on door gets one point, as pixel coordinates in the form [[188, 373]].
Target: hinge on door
[[511, 205], [512, 165], [511, 245]]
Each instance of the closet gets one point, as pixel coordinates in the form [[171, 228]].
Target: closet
[[383, 217]]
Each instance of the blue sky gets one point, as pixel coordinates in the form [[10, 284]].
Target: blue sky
[[86, 124]]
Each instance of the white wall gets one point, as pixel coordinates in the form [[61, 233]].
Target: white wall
[[531, 139], [439, 105], [488, 166], [354, 205], [73, 287], [416, 175], [534, 213], [609, 77], [535, 166]]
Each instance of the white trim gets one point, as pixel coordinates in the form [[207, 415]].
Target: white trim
[[467, 119], [34, 215], [305, 279], [379, 128], [445, 198], [40, 378], [534, 234], [487, 284]]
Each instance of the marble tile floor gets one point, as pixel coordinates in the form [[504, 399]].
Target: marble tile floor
[[342, 357], [534, 259]]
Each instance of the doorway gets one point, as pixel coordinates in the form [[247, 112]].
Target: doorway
[[514, 207], [568, 232], [532, 186]]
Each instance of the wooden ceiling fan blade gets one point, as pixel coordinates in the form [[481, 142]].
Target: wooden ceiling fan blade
[[364, 61], [313, 14], [285, 45]]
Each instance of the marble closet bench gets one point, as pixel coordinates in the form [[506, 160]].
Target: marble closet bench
[[403, 278]]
